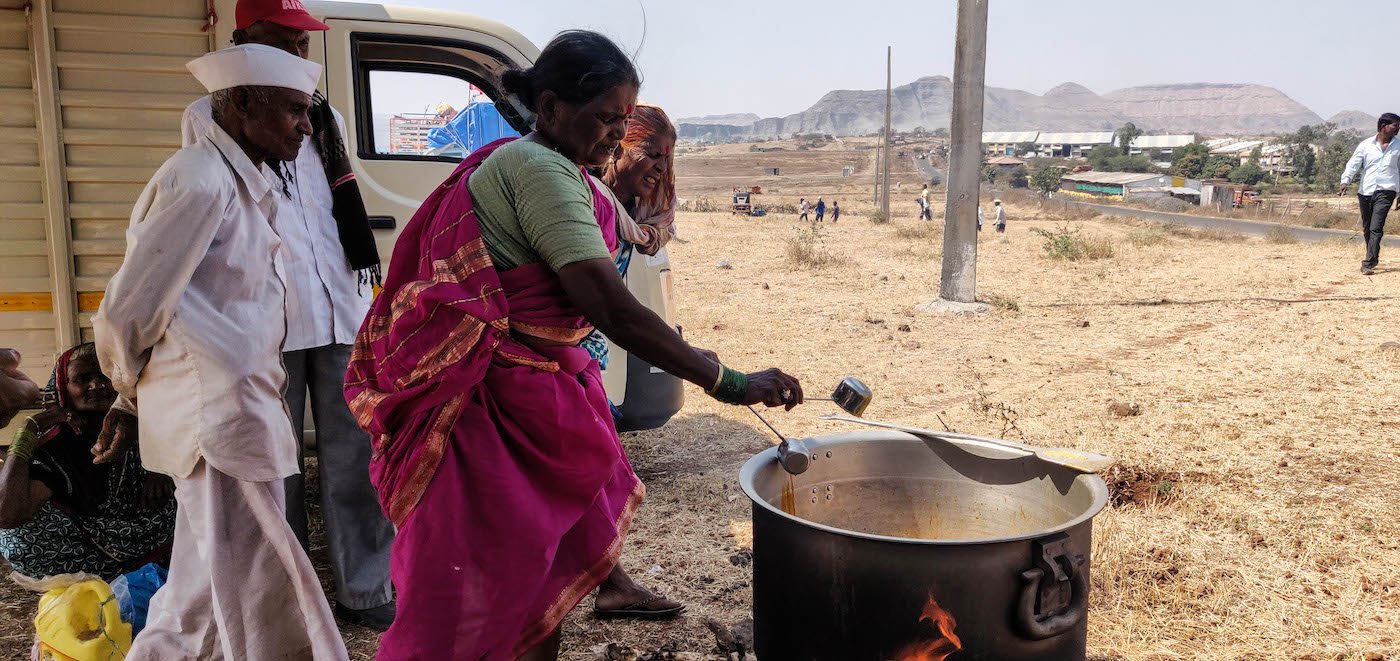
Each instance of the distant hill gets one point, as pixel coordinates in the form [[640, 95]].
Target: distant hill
[[1212, 108], [732, 119], [1355, 120], [1206, 108]]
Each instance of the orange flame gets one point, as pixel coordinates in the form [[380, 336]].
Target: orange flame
[[944, 642]]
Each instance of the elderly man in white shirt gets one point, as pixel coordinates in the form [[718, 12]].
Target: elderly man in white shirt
[[190, 331], [327, 299], [1378, 161]]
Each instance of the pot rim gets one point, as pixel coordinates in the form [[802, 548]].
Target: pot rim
[[758, 462]]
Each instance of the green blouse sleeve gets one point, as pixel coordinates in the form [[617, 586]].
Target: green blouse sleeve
[[556, 214], [534, 205]]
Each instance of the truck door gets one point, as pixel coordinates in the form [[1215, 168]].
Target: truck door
[[396, 82]]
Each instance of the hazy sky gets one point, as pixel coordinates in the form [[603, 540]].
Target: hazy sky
[[777, 57]]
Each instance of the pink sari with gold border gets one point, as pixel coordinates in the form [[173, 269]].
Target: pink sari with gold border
[[497, 461]]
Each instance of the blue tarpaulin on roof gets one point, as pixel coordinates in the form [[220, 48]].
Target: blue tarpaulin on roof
[[475, 126]]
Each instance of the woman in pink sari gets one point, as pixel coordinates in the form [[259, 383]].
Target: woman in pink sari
[[495, 452]]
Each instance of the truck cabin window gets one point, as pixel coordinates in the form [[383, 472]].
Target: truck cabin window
[[431, 115]]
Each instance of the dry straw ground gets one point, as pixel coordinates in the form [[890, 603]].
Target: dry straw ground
[[1254, 515]]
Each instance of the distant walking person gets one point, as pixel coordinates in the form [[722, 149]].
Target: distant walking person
[[925, 211], [980, 217], [1000, 217], [804, 207], [835, 211], [1378, 161], [821, 209]]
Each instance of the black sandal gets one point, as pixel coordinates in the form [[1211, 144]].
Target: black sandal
[[638, 611]]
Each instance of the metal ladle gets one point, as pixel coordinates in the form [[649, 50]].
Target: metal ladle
[[851, 395]]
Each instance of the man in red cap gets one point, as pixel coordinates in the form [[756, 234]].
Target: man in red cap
[[332, 264], [290, 14]]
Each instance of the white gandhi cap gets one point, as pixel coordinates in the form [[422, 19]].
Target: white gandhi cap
[[254, 64]]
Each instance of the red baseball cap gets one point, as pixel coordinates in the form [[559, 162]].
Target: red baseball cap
[[286, 13]]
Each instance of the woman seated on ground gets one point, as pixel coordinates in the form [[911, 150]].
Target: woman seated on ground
[[59, 512]]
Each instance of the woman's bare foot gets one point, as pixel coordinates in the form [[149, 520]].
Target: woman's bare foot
[[620, 596]]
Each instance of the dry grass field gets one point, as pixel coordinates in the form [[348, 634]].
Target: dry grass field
[[1250, 518], [1253, 514]]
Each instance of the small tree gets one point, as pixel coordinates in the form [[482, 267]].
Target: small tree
[[1219, 165], [1256, 154], [1126, 135], [1047, 179], [1189, 166], [1100, 157], [1332, 158], [1250, 173], [1195, 149], [1017, 178], [1025, 148], [990, 173], [1137, 163]]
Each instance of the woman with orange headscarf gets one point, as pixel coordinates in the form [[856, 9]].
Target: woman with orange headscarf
[[642, 177], [640, 181]]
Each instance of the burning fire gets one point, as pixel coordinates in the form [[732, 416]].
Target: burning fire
[[943, 643]]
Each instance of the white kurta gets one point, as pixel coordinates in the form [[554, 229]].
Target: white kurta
[[325, 300], [192, 323]]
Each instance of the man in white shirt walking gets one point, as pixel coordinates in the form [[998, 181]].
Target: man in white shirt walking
[[190, 331], [327, 299], [1378, 161]]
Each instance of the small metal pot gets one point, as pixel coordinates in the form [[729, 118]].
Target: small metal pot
[[892, 549]]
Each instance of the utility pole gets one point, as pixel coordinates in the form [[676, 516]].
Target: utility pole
[[959, 280], [875, 193], [885, 200]]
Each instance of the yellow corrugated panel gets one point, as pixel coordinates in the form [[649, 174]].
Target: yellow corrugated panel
[[123, 87], [89, 300], [25, 302]]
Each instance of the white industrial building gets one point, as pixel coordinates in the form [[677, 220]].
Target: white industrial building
[[1006, 143], [1072, 145], [1160, 146]]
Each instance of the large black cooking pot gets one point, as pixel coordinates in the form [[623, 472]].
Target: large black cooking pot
[[892, 548]]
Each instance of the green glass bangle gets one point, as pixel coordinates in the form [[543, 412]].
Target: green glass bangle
[[731, 387], [23, 446]]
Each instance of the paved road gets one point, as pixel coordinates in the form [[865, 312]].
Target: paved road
[[1250, 227], [927, 171]]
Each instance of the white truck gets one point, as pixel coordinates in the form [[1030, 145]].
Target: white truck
[[91, 94]]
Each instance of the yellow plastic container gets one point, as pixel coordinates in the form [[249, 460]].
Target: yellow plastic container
[[81, 622]]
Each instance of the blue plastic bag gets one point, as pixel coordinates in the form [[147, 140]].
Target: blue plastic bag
[[134, 591]]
